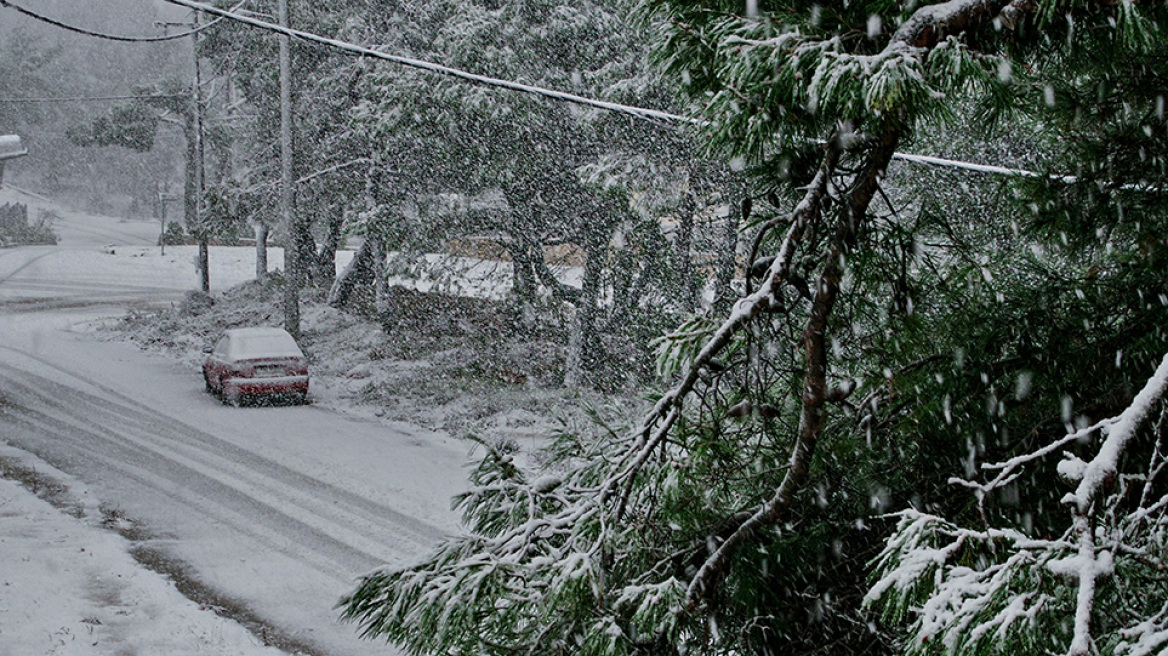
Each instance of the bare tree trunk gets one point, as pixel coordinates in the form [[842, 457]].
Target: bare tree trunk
[[683, 249], [361, 271], [583, 341], [192, 194], [383, 303], [261, 232], [728, 254], [325, 269], [524, 282], [204, 262]]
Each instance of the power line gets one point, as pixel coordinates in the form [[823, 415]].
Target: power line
[[636, 112], [652, 115], [87, 99], [100, 35]]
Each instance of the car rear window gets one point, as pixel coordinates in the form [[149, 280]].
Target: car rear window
[[270, 345]]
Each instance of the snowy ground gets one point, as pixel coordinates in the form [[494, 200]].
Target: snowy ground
[[266, 515], [69, 584], [70, 587]]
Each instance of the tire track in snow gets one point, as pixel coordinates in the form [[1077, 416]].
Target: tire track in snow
[[89, 286], [110, 233], [157, 476], [226, 481], [27, 263], [66, 295]]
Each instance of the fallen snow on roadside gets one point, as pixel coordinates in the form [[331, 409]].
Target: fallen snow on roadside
[[68, 588], [456, 368], [453, 363]]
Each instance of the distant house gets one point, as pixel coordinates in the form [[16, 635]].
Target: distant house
[[10, 148]]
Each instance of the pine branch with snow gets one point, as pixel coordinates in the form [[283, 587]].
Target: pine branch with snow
[[1095, 589], [657, 538]]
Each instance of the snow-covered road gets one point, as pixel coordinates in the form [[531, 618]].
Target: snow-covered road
[[274, 509]]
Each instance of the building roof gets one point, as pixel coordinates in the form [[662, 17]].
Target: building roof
[[11, 147]]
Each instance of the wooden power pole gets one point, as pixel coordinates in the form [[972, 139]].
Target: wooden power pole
[[200, 177], [291, 246]]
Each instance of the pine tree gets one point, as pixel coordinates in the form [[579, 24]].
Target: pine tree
[[1042, 555], [734, 510]]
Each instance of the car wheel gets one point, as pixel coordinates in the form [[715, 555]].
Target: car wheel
[[233, 399], [301, 398]]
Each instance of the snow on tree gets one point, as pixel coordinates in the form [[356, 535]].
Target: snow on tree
[[1092, 589], [1064, 557], [567, 178], [728, 519]]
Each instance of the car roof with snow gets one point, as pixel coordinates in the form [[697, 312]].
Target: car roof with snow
[[261, 343]]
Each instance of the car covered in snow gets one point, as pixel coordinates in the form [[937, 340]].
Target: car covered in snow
[[256, 362]]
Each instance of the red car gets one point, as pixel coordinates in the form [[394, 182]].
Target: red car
[[249, 362]]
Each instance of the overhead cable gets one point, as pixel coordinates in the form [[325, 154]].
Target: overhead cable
[[102, 35], [637, 112], [88, 98], [653, 115]]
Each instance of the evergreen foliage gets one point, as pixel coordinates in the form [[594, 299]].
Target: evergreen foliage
[[1073, 326], [890, 341], [132, 126]]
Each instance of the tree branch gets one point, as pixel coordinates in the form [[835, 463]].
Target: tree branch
[[660, 420], [815, 379], [1094, 478]]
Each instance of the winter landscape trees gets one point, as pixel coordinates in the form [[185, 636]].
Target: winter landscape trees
[[51, 80], [850, 342], [897, 337]]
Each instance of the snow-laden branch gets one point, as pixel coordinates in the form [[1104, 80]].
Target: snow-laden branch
[[1009, 469], [922, 568], [966, 607], [666, 412], [1093, 477], [811, 414], [929, 24], [1120, 431]]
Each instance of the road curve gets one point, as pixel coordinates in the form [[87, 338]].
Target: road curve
[[278, 509]]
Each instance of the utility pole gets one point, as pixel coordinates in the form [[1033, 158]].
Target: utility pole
[[197, 96], [291, 245]]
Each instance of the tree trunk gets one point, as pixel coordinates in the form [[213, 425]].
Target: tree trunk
[[683, 251], [325, 269], [524, 282], [383, 300], [360, 271], [192, 193], [190, 200], [728, 254], [261, 232], [583, 342], [204, 262], [815, 341]]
